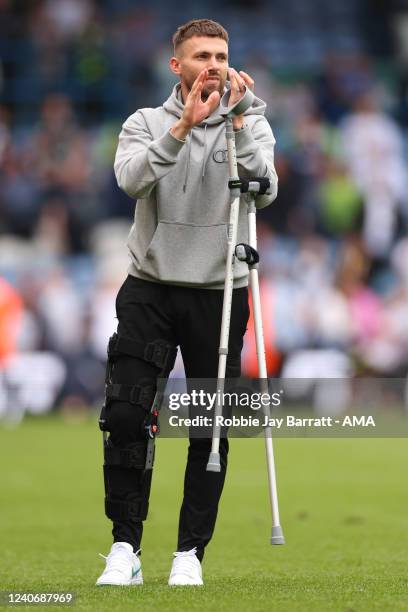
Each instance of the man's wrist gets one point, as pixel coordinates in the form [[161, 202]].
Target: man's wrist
[[179, 130]]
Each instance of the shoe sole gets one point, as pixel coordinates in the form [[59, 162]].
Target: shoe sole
[[135, 581]]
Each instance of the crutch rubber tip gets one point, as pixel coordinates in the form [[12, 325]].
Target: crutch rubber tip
[[277, 535], [214, 464]]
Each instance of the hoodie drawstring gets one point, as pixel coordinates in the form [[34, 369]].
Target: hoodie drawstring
[[204, 153], [204, 163], [189, 138]]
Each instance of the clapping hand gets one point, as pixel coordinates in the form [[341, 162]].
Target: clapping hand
[[238, 82]]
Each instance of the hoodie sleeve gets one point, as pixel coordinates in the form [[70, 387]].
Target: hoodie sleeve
[[255, 156], [140, 160]]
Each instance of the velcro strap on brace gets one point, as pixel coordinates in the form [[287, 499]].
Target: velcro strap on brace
[[159, 352], [125, 511], [134, 394], [134, 457]]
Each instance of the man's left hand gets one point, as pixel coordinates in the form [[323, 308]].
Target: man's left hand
[[238, 82]]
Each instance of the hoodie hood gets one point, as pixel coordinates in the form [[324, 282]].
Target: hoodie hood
[[175, 106]]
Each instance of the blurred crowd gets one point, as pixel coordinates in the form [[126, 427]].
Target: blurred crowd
[[334, 246]]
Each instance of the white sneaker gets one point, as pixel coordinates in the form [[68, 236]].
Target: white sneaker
[[123, 567], [186, 569]]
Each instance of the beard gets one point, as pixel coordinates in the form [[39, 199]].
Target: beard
[[209, 88], [206, 91]]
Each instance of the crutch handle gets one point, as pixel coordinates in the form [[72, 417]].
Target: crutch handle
[[244, 252], [260, 185]]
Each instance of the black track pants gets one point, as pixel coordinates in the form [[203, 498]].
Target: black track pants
[[191, 319]]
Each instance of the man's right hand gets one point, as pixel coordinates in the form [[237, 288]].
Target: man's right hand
[[195, 110]]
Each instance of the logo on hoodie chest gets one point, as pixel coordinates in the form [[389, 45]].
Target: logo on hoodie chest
[[220, 156]]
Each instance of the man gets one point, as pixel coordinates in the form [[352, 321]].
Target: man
[[172, 159]]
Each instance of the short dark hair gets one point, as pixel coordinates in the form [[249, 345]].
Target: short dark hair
[[199, 27]]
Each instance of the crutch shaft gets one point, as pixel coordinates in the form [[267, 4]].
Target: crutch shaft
[[214, 464], [277, 534]]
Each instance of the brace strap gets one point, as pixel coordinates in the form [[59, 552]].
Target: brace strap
[[134, 457], [124, 511], [159, 352], [134, 394]]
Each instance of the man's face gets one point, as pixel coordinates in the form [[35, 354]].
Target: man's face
[[197, 53]]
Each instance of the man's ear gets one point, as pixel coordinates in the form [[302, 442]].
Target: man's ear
[[174, 64]]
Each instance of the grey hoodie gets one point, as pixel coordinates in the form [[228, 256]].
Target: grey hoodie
[[179, 234]]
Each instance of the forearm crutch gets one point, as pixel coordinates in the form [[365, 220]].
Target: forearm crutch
[[247, 253]]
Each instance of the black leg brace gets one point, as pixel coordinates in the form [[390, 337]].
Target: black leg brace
[[139, 456]]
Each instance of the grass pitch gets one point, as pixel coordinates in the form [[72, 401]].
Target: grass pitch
[[343, 505]]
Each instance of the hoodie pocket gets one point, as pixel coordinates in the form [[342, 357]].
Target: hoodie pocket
[[191, 254]]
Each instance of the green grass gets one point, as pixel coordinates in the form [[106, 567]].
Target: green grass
[[344, 506]]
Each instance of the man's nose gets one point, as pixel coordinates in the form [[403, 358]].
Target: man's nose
[[213, 63]]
